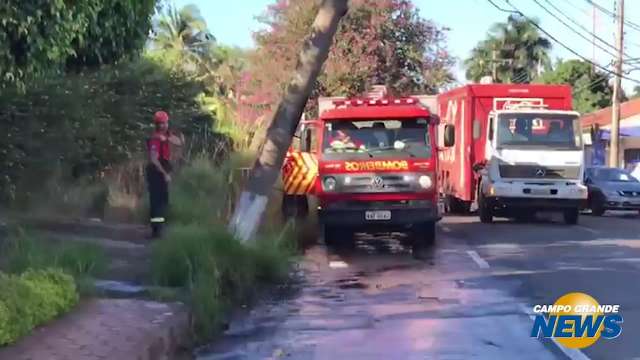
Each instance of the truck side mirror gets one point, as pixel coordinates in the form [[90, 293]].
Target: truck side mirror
[[449, 135]]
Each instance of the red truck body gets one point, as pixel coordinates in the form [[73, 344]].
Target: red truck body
[[384, 174], [468, 108]]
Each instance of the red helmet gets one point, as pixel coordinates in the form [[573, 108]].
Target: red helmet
[[161, 117]]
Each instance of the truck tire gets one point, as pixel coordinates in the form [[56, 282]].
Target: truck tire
[[571, 216], [424, 235], [485, 209]]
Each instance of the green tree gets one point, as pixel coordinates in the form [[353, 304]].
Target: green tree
[[517, 50], [591, 90], [39, 37], [182, 36], [116, 29]]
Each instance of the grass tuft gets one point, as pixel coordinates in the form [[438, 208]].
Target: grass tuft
[[25, 250]]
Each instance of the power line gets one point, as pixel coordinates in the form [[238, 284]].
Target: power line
[[518, 12], [579, 33], [576, 23], [630, 23]]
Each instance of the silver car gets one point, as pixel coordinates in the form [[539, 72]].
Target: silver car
[[611, 189]]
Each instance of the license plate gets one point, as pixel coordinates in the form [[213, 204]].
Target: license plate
[[378, 215], [539, 192]]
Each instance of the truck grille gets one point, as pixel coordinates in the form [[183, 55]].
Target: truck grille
[[377, 183], [539, 172]]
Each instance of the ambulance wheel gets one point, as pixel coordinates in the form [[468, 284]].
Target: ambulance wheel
[[571, 216], [424, 235], [485, 209]]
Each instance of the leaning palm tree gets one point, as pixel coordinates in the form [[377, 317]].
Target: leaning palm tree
[[517, 49], [184, 33]]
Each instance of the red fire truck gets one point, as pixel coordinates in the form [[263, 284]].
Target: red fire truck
[[367, 164], [519, 150]]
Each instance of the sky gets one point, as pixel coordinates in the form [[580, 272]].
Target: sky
[[233, 23]]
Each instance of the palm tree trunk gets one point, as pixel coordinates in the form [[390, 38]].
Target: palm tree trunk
[[253, 200]]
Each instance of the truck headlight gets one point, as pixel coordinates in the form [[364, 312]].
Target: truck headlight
[[329, 183], [425, 181]]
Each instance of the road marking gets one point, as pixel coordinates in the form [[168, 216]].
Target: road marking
[[573, 354], [594, 232], [478, 260], [445, 228]]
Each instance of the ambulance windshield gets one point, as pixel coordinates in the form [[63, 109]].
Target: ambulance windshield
[[524, 130], [377, 138]]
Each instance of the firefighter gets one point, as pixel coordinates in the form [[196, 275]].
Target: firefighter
[[159, 169]]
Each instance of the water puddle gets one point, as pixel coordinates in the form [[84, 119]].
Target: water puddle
[[119, 288]]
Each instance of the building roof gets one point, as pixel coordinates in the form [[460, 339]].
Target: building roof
[[602, 117]]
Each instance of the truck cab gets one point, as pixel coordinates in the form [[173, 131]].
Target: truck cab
[[368, 164], [534, 161]]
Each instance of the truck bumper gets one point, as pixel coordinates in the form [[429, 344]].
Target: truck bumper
[[563, 192], [537, 203], [399, 217]]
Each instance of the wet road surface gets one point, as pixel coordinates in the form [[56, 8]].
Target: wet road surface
[[467, 298]]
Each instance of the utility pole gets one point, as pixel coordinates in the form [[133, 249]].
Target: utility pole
[[593, 44], [615, 108], [494, 65]]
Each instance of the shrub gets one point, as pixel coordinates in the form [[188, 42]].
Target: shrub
[[216, 268], [31, 299], [199, 255], [84, 124]]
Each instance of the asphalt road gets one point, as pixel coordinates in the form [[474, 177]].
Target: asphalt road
[[467, 298]]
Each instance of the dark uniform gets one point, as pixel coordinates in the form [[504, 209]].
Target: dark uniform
[[157, 184]]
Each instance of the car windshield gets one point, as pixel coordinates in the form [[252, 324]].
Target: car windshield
[[611, 174], [558, 131], [377, 138]]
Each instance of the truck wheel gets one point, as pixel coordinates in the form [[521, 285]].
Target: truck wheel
[[485, 209], [571, 216], [424, 235]]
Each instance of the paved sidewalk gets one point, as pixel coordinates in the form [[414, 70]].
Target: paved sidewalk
[[105, 329]]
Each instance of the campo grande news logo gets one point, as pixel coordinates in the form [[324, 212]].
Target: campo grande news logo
[[576, 320]]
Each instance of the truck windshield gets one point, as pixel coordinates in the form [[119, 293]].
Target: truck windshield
[[377, 138], [558, 131]]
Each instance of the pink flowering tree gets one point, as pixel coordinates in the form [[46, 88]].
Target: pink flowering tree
[[378, 42]]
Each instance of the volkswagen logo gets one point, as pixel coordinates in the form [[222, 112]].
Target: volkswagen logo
[[540, 172], [377, 182]]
